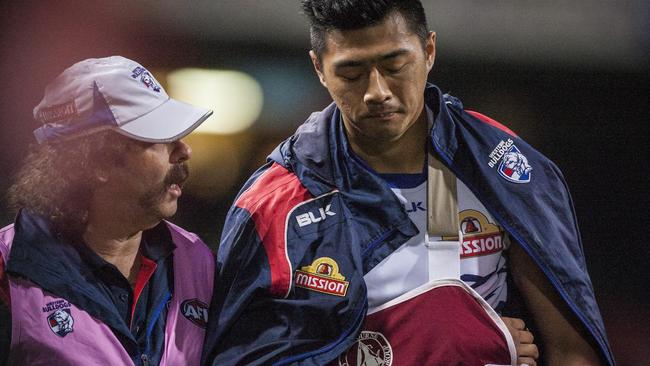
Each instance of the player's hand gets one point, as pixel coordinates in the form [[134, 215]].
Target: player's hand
[[527, 352]]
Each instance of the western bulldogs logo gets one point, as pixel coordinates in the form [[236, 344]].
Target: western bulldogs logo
[[371, 349], [514, 166], [146, 78], [195, 311], [61, 322]]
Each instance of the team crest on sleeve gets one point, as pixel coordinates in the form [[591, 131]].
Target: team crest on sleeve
[[195, 311], [370, 349], [513, 165], [322, 276], [60, 319]]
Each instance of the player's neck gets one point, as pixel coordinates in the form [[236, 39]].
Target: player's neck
[[405, 155]]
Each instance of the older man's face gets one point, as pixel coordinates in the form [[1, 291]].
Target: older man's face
[[151, 178]]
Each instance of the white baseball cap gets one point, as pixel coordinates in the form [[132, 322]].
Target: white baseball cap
[[113, 93]]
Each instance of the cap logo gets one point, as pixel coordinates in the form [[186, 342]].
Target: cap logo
[[57, 113], [145, 78], [322, 276]]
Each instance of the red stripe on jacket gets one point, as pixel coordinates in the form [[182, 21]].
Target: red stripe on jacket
[[269, 201], [492, 122]]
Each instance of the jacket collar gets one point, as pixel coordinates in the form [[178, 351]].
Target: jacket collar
[[320, 155]]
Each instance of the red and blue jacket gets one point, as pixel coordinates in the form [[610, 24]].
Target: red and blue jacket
[[310, 223]]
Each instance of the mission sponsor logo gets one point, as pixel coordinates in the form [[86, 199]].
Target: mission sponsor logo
[[322, 276], [480, 236], [195, 311], [60, 319], [58, 113], [513, 165], [370, 349]]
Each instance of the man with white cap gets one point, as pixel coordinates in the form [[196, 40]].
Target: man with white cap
[[90, 271]]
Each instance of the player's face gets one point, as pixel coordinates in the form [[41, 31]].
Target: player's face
[[377, 75], [152, 177]]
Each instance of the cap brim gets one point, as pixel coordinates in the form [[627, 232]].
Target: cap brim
[[171, 121]]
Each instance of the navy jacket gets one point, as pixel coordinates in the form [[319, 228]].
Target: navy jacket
[[312, 200]]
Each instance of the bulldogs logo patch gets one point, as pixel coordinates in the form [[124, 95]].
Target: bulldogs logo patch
[[371, 349], [195, 311], [145, 78], [61, 322], [513, 164], [322, 276]]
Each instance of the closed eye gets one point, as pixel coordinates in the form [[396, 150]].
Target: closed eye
[[395, 69], [350, 78]]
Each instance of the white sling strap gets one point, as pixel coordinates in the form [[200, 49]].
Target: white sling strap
[[443, 231]]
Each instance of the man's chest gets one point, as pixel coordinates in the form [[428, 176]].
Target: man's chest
[[481, 251]]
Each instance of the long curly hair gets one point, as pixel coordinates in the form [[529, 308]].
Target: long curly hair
[[57, 180]]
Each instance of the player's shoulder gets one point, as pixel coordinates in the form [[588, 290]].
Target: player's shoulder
[[273, 189], [454, 103], [491, 121]]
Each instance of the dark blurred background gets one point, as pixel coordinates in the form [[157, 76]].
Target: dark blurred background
[[571, 77]]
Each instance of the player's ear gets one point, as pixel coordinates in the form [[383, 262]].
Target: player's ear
[[317, 67], [430, 50]]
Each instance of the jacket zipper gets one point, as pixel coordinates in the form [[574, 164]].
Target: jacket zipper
[[154, 318]]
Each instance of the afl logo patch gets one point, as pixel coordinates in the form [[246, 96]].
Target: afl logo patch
[[322, 276], [371, 349], [61, 322], [195, 311]]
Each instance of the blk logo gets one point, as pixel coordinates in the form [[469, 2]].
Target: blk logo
[[415, 206], [311, 217]]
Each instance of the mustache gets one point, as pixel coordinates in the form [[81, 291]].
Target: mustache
[[177, 174]]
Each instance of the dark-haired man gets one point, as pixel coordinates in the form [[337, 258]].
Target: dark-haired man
[[90, 273], [377, 233]]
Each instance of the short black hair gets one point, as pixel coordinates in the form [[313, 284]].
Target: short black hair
[[327, 15]]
